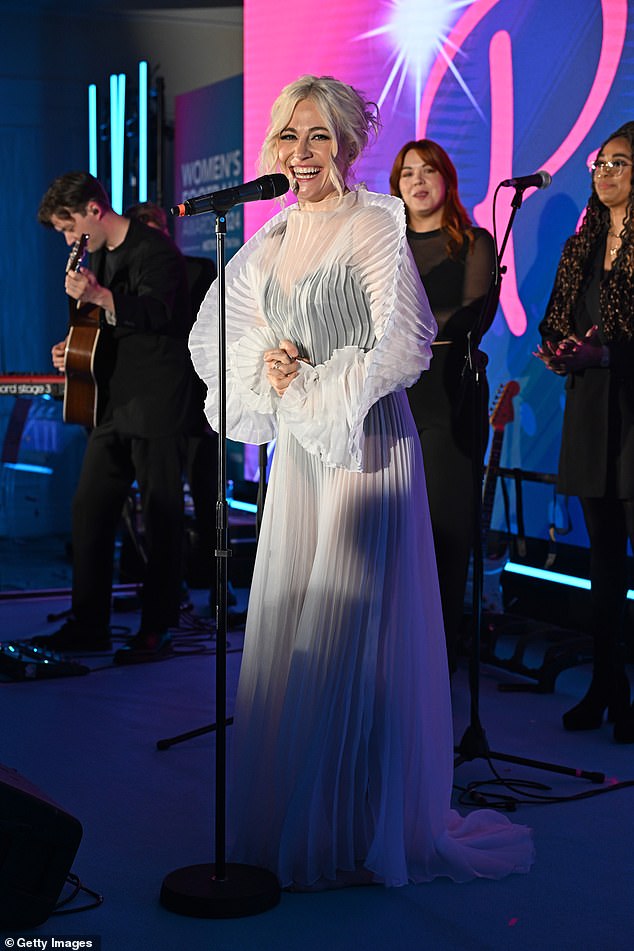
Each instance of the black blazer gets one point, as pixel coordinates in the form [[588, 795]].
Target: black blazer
[[151, 384], [597, 446]]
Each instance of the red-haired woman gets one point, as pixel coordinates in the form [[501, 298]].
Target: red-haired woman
[[455, 261]]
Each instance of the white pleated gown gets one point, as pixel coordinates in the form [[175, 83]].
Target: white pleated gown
[[342, 749]]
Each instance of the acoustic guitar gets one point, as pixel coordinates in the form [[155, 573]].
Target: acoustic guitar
[[81, 393]]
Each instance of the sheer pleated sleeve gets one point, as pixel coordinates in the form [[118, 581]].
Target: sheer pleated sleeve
[[326, 405]]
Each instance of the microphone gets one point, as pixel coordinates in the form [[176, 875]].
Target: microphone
[[538, 180], [269, 186]]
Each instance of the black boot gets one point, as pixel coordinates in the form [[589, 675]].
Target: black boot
[[606, 692], [624, 726]]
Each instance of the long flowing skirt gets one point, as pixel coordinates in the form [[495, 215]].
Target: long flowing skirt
[[342, 739]]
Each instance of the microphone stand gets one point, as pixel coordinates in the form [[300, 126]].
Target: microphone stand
[[221, 889], [167, 742], [474, 743]]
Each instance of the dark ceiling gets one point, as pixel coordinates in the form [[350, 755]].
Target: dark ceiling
[[112, 6]]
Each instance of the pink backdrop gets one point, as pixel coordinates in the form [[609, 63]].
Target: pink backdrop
[[507, 88]]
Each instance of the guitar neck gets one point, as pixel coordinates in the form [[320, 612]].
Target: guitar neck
[[490, 480], [73, 310], [81, 398]]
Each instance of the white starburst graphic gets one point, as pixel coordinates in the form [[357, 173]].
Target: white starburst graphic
[[419, 31]]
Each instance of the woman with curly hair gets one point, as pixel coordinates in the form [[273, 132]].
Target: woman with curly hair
[[588, 336], [455, 262]]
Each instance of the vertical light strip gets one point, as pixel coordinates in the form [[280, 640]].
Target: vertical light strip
[[114, 91], [117, 139], [143, 130], [121, 122], [92, 129]]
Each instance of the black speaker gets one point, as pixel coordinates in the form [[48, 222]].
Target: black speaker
[[38, 842]]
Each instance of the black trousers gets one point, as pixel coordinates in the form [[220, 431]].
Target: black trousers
[[202, 475], [609, 522], [111, 464]]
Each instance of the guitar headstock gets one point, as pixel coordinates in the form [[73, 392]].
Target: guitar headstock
[[77, 253], [502, 412]]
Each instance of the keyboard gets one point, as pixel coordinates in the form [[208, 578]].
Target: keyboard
[[31, 384]]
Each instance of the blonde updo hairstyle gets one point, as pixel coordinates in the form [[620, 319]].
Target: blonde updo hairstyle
[[349, 117]]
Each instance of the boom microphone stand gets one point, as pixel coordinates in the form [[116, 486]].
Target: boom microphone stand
[[474, 743], [221, 889]]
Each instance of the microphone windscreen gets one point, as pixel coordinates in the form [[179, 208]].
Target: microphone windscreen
[[546, 178], [274, 185]]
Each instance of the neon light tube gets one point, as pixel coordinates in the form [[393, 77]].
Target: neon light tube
[[143, 76], [27, 467], [92, 129], [117, 139], [543, 575], [243, 506]]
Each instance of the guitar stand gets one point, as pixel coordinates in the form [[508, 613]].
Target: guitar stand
[[566, 649], [474, 744]]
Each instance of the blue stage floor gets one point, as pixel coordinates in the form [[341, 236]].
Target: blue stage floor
[[90, 743]]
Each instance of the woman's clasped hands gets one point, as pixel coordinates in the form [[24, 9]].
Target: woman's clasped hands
[[282, 365], [572, 353]]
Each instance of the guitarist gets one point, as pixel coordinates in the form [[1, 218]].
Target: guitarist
[[137, 281]]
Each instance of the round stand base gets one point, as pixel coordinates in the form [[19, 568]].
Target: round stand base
[[196, 892], [473, 744]]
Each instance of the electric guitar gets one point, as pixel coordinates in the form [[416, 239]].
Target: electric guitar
[[81, 393], [500, 416]]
